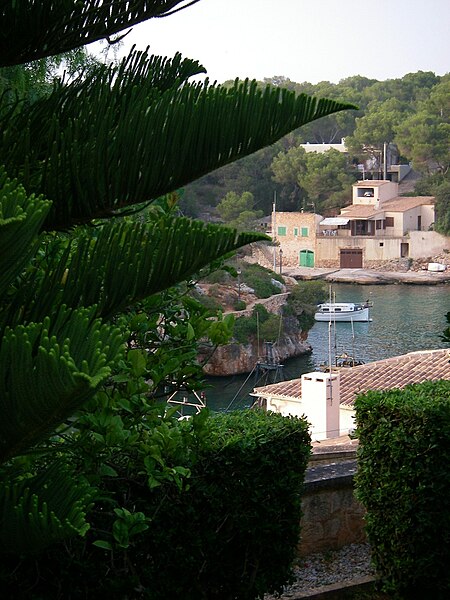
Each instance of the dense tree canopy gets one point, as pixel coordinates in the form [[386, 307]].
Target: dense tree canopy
[[317, 181], [238, 211], [410, 113]]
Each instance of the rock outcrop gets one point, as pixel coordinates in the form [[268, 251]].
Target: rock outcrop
[[235, 358]]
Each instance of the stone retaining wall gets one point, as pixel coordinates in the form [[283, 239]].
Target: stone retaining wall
[[332, 517]]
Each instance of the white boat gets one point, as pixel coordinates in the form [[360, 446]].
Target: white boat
[[343, 311]]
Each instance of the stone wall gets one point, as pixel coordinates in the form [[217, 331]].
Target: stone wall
[[332, 517]]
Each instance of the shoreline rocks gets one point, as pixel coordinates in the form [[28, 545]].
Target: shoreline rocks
[[370, 276], [237, 359]]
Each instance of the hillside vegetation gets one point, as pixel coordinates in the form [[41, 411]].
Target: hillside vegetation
[[411, 115]]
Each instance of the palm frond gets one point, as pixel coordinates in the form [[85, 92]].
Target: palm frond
[[118, 139], [49, 369], [33, 29], [41, 510]]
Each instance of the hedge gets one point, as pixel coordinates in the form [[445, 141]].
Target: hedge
[[235, 532], [230, 531], [403, 480]]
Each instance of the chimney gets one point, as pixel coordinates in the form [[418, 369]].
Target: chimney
[[320, 403]]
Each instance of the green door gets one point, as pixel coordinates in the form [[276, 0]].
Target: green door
[[306, 258]]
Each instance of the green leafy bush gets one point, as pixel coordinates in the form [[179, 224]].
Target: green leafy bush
[[240, 305], [219, 276], [259, 279], [303, 300], [271, 329], [234, 532], [202, 509], [246, 328], [403, 481]]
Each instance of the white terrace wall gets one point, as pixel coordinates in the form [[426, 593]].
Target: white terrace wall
[[422, 244], [375, 249], [426, 244]]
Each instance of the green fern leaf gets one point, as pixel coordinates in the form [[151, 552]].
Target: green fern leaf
[[68, 25], [122, 263]]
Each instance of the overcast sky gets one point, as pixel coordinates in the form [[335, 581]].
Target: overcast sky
[[312, 40]]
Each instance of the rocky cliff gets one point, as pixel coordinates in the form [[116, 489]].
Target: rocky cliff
[[237, 358]]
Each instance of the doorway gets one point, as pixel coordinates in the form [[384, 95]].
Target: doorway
[[351, 258], [306, 258]]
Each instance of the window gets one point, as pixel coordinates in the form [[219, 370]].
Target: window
[[304, 232], [379, 224], [364, 192], [389, 221], [296, 231], [381, 244], [281, 230]]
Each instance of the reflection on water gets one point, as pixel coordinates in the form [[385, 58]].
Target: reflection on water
[[405, 318]]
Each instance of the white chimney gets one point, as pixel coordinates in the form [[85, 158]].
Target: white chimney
[[320, 404]]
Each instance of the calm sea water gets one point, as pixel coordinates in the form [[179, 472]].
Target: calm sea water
[[405, 318]]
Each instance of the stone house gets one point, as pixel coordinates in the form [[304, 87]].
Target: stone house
[[296, 234], [379, 225]]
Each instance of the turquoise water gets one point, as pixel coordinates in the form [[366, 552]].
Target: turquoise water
[[405, 318]]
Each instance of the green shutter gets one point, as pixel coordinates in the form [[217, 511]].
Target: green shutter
[[296, 231], [281, 230], [305, 232]]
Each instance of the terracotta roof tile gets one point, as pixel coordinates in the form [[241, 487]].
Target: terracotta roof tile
[[359, 210], [398, 204], [389, 373], [401, 204]]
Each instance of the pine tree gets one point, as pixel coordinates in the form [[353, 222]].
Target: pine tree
[[76, 161]]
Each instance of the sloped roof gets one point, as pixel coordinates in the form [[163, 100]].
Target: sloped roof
[[400, 204], [362, 211], [386, 374], [397, 204]]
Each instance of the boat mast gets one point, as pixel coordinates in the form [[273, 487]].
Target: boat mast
[[274, 232]]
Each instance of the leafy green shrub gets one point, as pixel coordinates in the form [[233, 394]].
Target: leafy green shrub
[[271, 329], [219, 276], [240, 305], [213, 512], [246, 328], [209, 302], [234, 533], [403, 481], [303, 300], [259, 279]]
